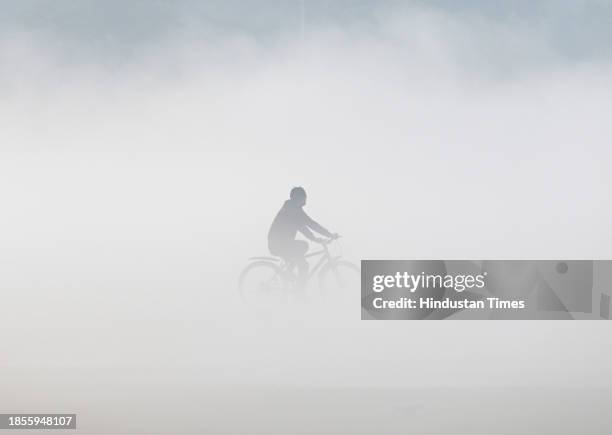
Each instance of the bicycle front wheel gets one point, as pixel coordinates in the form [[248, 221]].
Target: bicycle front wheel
[[340, 280]]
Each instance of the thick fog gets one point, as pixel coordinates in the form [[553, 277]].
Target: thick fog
[[137, 177]]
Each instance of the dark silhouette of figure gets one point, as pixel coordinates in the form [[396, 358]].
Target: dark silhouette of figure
[[290, 220]]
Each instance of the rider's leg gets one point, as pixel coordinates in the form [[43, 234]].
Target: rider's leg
[[299, 248], [293, 252], [286, 252]]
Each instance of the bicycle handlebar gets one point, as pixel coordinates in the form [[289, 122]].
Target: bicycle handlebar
[[328, 241]]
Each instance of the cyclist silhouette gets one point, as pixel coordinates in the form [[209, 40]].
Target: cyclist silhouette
[[290, 220]]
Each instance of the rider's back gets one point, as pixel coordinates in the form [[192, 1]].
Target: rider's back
[[286, 224]]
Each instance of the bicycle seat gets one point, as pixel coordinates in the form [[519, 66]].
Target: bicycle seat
[[266, 258]]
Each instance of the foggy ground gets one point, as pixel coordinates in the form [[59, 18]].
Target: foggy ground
[[135, 402]]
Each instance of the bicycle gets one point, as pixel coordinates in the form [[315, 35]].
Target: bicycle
[[273, 277]]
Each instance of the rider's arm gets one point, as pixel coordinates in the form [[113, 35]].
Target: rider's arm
[[308, 234], [311, 223]]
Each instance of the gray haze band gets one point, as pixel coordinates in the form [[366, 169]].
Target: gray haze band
[[485, 290]]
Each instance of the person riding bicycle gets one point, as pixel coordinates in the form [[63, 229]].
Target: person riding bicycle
[[290, 220]]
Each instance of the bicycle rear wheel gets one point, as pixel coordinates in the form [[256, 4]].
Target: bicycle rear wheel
[[261, 283]]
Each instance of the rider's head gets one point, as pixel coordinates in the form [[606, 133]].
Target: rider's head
[[298, 194]]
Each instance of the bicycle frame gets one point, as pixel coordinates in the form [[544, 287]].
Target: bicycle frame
[[325, 257], [283, 270]]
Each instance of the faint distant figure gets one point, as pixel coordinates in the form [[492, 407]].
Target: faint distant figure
[[290, 220]]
